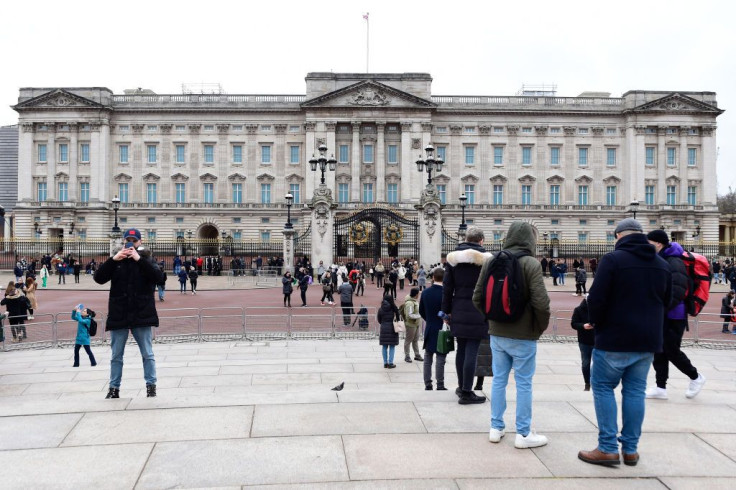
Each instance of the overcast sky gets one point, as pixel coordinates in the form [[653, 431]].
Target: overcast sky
[[469, 48]]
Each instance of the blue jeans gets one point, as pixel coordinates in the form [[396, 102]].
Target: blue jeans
[[609, 369], [388, 353], [522, 356], [586, 354], [144, 337], [161, 290]]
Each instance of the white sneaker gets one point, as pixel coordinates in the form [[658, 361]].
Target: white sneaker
[[657, 393], [531, 440], [496, 435], [695, 386]]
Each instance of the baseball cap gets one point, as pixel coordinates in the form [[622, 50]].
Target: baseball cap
[[628, 224], [132, 232]]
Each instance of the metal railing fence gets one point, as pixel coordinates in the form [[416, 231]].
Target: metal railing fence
[[259, 323]]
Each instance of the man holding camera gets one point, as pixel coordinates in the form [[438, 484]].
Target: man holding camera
[[131, 306]]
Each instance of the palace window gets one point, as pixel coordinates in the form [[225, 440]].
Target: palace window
[[583, 195], [526, 194], [237, 193], [84, 191], [41, 192], [649, 195], [123, 192], [63, 191], [498, 155], [392, 194], [42, 158], [610, 157], [180, 152], [84, 153], [209, 192], [181, 192], [611, 195], [294, 190], [123, 153], [265, 193]]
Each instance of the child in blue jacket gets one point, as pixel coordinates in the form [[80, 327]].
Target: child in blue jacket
[[83, 317]]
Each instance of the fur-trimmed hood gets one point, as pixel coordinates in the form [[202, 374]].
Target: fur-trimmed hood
[[468, 253]]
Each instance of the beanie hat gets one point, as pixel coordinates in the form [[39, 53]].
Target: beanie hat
[[628, 224], [659, 236]]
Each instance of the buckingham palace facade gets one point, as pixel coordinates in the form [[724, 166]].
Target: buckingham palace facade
[[213, 163]]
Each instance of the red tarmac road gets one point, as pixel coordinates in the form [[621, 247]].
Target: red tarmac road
[[63, 300]]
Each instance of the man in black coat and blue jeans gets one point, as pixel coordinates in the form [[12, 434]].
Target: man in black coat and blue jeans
[[626, 309], [467, 324], [675, 322], [131, 307]]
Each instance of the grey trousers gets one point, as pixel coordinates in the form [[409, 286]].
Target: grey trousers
[[411, 339], [439, 370]]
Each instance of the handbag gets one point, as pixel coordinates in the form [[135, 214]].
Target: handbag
[[445, 341], [399, 326]]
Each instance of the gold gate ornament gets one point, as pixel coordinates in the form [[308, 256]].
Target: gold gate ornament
[[359, 234], [393, 234]]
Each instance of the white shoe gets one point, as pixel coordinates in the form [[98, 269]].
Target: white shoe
[[657, 393], [695, 386], [30, 317], [531, 440], [496, 435]]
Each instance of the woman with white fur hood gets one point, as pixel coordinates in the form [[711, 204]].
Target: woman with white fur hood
[[467, 324]]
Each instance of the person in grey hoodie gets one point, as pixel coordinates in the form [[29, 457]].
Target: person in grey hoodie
[[514, 344], [346, 300]]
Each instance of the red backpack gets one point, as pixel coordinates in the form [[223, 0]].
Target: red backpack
[[699, 272]]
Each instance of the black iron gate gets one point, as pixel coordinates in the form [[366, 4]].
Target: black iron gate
[[375, 233]]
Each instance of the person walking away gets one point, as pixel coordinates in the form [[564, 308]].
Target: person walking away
[[360, 287], [727, 310], [412, 322], [193, 277], [421, 278], [468, 325], [544, 264], [77, 268], [393, 278], [17, 305], [183, 276], [177, 265], [379, 272], [561, 272], [44, 276], [430, 304], [388, 339], [401, 275], [675, 322], [161, 286], [514, 344], [18, 272], [346, 301], [580, 279], [554, 271], [327, 289], [593, 266], [626, 309], [131, 308], [303, 286], [30, 292], [287, 288], [586, 338], [62, 272], [83, 318]]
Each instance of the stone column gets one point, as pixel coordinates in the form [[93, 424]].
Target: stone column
[[323, 219], [355, 164], [661, 166], [288, 249], [279, 162], [51, 151], [682, 169], [410, 187], [311, 179], [252, 192], [380, 159], [430, 226], [73, 185]]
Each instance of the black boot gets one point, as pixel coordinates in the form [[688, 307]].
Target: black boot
[[113, 393], [428, 387], [150, 391], [441, 386], [469, 398]]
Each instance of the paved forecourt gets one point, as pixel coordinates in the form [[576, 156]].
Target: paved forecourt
[[232, 414]]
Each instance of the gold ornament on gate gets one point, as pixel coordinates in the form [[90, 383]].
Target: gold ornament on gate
[[393, 234], [359, 234]]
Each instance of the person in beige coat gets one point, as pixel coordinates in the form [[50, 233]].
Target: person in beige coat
[[30, 290]]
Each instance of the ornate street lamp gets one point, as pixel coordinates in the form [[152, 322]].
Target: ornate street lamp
[[71, 227], [115, 207], [697, 232], [323, 162], [634, 207], [189, 236], [545, 235], [463, 226], [289, 201], [430, 163]]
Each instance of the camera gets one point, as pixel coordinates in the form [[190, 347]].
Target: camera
[[129, 244]]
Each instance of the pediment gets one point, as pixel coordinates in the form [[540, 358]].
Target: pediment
[[673, 178], [58, 99], [151, 176], [369, 94], [469, 178], [499, 178], [237, 176], [393, 175], [612, 178], [207, 176], [122, 177], [583, 179], [441, 179], [556, 178], [527, 178], [62, 176], [294, 178], [265, 176], [179, 176], [677, 103]]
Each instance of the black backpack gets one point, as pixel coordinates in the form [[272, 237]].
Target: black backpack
[[504, 296], [92, 327]]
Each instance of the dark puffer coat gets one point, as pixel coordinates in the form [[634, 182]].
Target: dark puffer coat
[[578, 321], [386, 315], [484, 363], [461, 274], [131, 302], [17, 305], [680, 281]]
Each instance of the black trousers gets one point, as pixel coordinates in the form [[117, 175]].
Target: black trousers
[[466, 355], [87, 350], [673, 331]]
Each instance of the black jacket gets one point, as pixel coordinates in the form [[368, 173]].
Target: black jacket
[[629, 297], [131, 302], [580, 318], [386, 316], [17, 305], [461, 274]]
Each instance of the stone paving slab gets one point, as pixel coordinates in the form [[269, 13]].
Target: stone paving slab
[[414, 484], [36, 431], [180, 424], [562, 484], [109, 467], [685, 483], [245, 462], [336, 418]]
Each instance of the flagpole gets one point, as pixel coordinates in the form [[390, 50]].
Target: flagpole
[[367, 40]]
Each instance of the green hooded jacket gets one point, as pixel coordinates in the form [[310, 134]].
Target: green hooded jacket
[[535, 319]]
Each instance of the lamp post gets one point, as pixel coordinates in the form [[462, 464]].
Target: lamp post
[[189, 242], [430, 162], [115, 207], [323, 162], [71, 227], [634, 206], [545, 235], [462, 230], [289, 198]]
